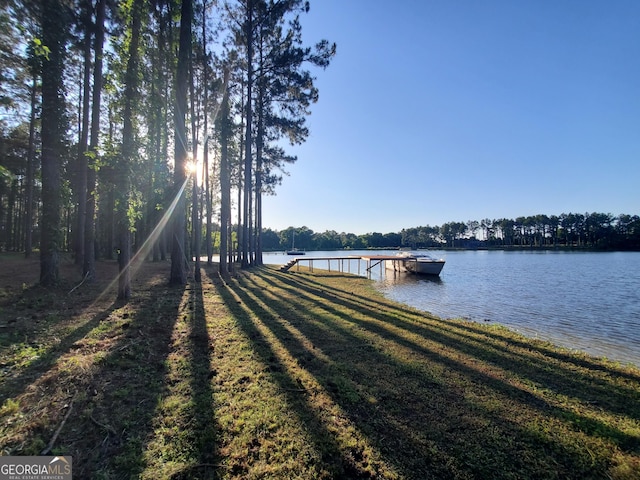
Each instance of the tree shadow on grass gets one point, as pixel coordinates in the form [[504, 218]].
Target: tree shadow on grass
[[467, 429], [203, 431], [27, 376], [542, 347], [404, 410], [529, 359], [109, 377], [119, 403], [166, 422], [579, 360], [338, 462], [376, 404], [524, 359]]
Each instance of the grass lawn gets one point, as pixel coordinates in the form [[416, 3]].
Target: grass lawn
[[294, 375]]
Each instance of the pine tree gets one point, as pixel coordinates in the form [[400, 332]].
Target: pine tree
[[178, 274], [83, 143], [285, 90], [224, 123], [123, 168], [55, 28], [89, 264]]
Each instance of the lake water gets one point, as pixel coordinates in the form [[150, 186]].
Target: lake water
[[587, 301]]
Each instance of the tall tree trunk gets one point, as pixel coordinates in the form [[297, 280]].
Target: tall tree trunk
[[178, 254], [208, 201], [105, 224], [28, 244], [79, 230], [123, 172], [258, 193], [11, 215], [239, 233], [89, 263], [195, 220], [225, 182], [205, 151], [240, 178], [158, 159], [159, 131], [196, 229], [246, 231], [259, 150], [54, 28], [166, 236]]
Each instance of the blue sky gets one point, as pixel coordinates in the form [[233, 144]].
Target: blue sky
[[438, 110]]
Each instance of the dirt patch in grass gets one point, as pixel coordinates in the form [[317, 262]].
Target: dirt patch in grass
[[294, 375]]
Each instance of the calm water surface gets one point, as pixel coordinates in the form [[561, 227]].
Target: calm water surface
[[582, 300]]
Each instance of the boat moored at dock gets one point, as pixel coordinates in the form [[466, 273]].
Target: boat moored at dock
[[412, 262]]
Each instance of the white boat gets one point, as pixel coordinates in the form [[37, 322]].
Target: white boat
[[415, 263]]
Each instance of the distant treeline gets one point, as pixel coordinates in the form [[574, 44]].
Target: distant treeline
[[570, 230], [573, 230]]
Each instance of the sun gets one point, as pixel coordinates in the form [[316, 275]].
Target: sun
[[193, 167]]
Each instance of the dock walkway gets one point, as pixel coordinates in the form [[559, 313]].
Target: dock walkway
[[372, 261]]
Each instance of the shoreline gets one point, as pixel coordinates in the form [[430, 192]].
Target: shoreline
[[533, 334], [547, 318]]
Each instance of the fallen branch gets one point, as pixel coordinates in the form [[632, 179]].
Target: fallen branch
[[83, 280], [59, 429]]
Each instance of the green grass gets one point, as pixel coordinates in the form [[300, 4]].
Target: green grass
[[302, 375]]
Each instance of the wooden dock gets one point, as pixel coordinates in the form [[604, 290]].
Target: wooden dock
[[372, 261]]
